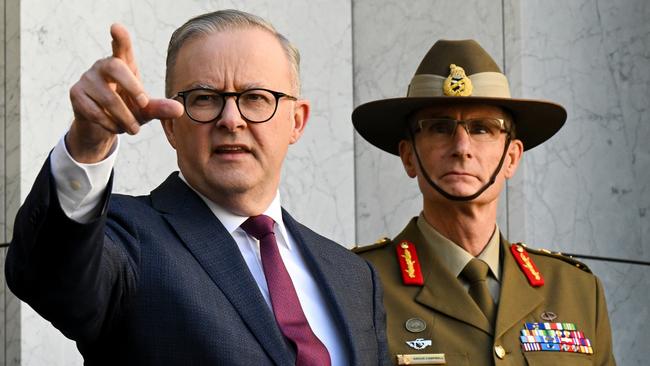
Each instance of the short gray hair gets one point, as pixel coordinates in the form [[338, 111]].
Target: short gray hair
[[220, 21]]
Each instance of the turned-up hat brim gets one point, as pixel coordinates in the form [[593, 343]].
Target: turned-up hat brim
[[383, 123]]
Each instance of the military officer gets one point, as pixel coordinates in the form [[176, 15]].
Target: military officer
[[456, 291]]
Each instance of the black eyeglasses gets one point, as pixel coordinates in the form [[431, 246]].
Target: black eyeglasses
[[442, 130], [256, 105]]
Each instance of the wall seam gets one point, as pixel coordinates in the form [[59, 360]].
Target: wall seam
[[4, 175], [354, 138]]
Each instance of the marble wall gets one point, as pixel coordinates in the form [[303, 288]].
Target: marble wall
[[585, 191], [3, 239], [319, 170], [10, 148], [588, 190], [60, 40], [383, 67]]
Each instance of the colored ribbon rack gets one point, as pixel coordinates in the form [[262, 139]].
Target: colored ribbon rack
[[554, 337]]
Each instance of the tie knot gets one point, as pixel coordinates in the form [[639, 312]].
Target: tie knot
[[258, 226], [476, 270]]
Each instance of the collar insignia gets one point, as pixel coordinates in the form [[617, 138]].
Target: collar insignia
[[527, 265], [409, 264]]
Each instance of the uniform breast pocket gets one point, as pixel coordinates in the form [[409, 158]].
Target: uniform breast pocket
[[457, 359], [557, 358]]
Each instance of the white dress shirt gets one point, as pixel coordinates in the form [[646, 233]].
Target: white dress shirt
[[80, 188]]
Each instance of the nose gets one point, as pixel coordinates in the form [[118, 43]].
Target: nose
[[462, 141], [230, 118]]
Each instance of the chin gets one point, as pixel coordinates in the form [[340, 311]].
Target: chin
[[461, 190], [233, 186]]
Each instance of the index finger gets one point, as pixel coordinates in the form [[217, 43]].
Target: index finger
[[122, 47]]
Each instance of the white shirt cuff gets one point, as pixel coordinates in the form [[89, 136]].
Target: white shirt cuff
[[79, 186]]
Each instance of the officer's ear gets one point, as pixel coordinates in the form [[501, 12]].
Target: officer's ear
[[513, 158], [408, 158]]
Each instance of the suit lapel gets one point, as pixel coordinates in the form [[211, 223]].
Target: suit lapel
[[442, 291], [216, 251], [512, 309], [329, 276]]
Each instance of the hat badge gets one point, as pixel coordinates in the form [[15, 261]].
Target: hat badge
[[457, 84]]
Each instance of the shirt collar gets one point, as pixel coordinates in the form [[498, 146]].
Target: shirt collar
[[490, 253], [456, 258], [232, 221]]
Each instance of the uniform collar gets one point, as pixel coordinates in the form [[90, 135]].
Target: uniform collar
[[454, 257]]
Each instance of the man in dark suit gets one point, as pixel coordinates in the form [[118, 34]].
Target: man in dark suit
[[208, 269], [456, 291]]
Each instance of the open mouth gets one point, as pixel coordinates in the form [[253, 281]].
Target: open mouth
[[231, 149]]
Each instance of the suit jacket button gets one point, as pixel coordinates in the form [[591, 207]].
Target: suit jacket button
[[500, 351]]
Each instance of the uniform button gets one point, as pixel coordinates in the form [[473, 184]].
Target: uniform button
[[500, 351]]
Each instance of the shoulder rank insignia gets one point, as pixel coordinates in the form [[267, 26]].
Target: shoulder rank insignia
[[557, 255], [527, 265], [409, 264], [364, 248]]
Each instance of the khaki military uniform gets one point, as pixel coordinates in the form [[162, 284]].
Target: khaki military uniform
[[455, 326]]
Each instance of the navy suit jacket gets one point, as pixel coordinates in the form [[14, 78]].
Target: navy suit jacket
[[157, 280]]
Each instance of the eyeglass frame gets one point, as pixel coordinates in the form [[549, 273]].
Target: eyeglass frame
[[225, 95], [416, 124]]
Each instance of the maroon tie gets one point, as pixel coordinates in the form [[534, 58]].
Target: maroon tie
[[310, 351]]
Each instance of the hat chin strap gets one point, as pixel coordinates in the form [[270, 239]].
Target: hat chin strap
[[451, 196]]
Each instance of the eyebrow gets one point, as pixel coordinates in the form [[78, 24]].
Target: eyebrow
[[246, 86], [202, 85]]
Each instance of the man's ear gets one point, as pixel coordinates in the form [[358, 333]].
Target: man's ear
[[408, 158], [300, 117], [513, 158], [168, 126]]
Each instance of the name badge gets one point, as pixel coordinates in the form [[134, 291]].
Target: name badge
[[422, 359]]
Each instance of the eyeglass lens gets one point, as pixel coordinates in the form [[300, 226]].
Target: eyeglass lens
[[443, 129], [255, 105]]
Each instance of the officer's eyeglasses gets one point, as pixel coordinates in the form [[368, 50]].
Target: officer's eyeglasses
[[442, 130], [256, 105]]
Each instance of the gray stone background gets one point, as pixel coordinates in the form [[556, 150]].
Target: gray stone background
[[587, 190]]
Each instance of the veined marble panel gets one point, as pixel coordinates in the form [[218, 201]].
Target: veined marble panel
[[587, 189], [319, 169], [3, 213], [2, 126], [387, 51], [11, 174], [60, 40]]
